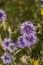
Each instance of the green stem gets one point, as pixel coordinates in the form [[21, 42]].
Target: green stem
[[17, 52], [30, 49]]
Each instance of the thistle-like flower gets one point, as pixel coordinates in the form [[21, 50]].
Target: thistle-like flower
[[29, 40], [8, 44], [20, 42], [24, 41], [2, 15], [27, 28], [6, 58]]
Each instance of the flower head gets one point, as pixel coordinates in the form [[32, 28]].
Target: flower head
[[6, 58], [27, 28], [8, 44], [2, 15], [24, 41], [41, 11], [29, 40], [20, 42], [34, 61]]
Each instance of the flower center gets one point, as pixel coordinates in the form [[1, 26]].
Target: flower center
[[0, 15], [6, 58], [7, 43]]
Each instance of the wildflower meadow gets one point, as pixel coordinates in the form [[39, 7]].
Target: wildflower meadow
[[21, 32]]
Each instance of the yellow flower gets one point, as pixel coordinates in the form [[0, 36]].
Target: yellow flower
[[41, 11], [34, 61], [42, 22]]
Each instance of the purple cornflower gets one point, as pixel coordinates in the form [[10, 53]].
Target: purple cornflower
[[27, 28], [6, 58], [20, 42], [2, 15], [24, 41], [8, 44], [29, 40]]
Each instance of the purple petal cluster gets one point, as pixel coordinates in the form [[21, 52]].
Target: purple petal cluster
[[2, 15], [28, 37], [27, 28], [8, 44], [6, 58], [29, 40], [20, 42]]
